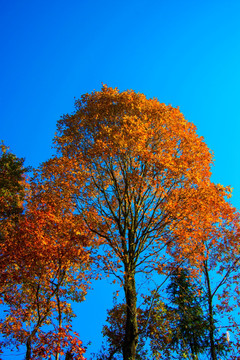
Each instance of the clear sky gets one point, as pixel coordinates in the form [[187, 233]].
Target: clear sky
[[184, 52]]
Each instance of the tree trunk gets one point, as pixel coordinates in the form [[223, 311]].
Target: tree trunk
[[69, 356], [131, 329], [210, 316], [59, 318], [211, 330], [29, 348]]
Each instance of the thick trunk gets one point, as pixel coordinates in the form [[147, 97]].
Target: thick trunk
[[29, 343], [29, 348], [211, 331], [131, 330], [69, 356], [59, 318], [210, 316]]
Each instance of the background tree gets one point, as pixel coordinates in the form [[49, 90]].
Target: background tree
[[190, 328], [46, 263], [12, 187], [140, 176]]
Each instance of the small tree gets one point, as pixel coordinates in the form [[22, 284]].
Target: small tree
[[190, 332]]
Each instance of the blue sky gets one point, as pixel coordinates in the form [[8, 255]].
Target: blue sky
[[184, 52]]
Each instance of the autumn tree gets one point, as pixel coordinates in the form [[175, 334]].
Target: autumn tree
[[220, 278], [140, 176], [218, 275], [43, 269]]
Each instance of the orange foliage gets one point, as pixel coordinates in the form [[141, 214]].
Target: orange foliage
[[43, 266], [144, 174]]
